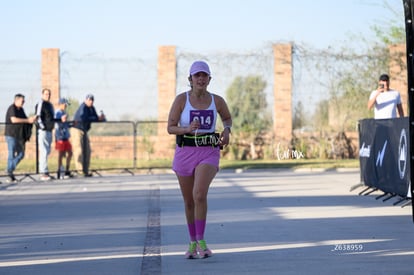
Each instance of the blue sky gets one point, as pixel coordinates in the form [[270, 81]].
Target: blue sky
[[134, 27], [132, 31]]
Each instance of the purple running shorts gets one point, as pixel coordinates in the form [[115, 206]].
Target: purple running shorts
[[187, 158]]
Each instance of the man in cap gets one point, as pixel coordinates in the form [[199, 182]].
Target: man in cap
[[385, 100], [84, 116]]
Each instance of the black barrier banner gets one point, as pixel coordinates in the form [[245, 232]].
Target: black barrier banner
[[383, 155]]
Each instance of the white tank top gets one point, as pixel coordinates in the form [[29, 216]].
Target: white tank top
[[207, 117]]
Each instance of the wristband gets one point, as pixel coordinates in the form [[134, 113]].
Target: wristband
[[227, 127]]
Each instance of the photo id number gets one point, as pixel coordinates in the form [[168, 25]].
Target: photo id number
[[348, 247]]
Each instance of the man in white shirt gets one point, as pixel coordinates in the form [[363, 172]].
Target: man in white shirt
[[385, 101]]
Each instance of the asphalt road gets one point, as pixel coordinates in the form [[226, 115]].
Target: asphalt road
[[259, 222]]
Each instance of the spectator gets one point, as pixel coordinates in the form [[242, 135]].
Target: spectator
[[385, 101], [45, 124], [84, 116], [62, 135], [17, 132]]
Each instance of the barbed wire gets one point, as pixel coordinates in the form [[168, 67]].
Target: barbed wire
[[126, 88]]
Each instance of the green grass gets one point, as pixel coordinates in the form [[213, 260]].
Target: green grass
[[302, 163], [28, 166]]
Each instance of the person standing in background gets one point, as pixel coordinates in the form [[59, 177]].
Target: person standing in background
[[385, 100], [45, 124], [17, 132], [62, 135], [84, 116]]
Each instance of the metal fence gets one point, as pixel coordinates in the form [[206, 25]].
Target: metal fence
[[116, 145]]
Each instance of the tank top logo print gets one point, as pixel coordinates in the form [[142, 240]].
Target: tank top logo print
[[205, 117]]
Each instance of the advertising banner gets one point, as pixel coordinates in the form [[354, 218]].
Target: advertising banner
[[384, 154]]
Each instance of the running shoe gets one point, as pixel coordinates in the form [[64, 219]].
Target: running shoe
[[192, 251], [203, 250]]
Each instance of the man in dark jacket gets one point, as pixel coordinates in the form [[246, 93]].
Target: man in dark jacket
[[84, 116], [17, 132], [45, 124]]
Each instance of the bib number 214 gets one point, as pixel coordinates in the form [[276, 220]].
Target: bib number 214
[[205, 117]]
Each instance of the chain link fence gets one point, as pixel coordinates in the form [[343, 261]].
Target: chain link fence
[[126, 90]]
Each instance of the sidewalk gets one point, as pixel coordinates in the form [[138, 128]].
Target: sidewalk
[[259, 222]]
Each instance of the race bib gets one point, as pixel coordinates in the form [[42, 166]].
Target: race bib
[[205, 117]]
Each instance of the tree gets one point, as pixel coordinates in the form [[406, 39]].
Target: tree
[[392, 30], [299, 117], [349, 74], [320, 118], [248, 106], [360, 78]]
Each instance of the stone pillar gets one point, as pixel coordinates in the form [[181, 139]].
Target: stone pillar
[[167, 77], [167, 74], [282, 90], [398, 72], [51, 73]]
